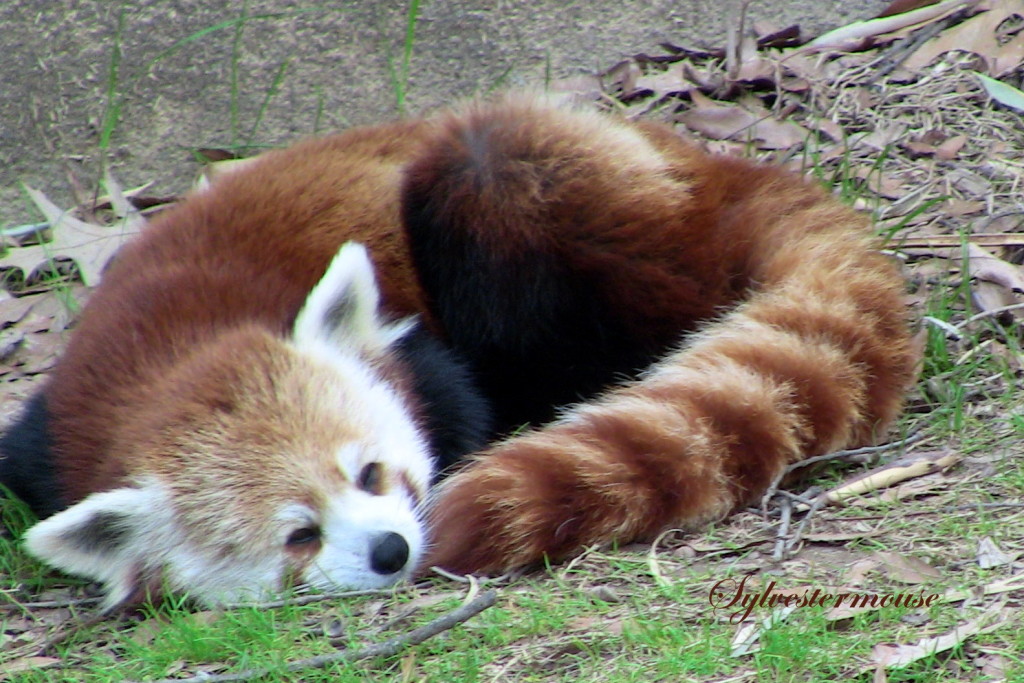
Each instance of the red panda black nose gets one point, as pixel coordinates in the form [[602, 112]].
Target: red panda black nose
[[389, 553]]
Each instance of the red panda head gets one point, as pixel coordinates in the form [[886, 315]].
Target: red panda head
[[258, 462]]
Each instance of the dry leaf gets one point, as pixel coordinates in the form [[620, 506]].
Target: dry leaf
[[746, 640], [894, 656], [951, 147], [1003, 93], [963, 207], [670, 82], [907, 569], [984, 266], [720, 122], [990, 555], [858, 35], [988, 296], [884, 136], [901, 6], [625, 74], [968, 182], [977, 35], [14, 310], [856, 575], [26, 664], [993, 666], [90, 246], [880, 183]]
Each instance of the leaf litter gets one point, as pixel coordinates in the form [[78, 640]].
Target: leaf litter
[[915, 116]]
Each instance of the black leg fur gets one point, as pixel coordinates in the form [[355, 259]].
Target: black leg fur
[[26, 459], [455, 413]]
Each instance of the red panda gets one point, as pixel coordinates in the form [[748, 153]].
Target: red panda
[[269, 380]]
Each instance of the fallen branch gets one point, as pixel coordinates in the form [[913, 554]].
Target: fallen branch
[[773, 488], [388, 648], [1000, 239]]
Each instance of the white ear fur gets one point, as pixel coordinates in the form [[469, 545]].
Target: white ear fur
[[342, 309], [105, 537]]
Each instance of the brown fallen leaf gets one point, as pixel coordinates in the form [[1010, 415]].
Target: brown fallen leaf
[[949, 149], [857, 574], [986, 266], [8, 669], [977, 35], [907, 569], [880, 183], [719, 122], [989, 297], [901, 6], [90, 246], [672, 81]]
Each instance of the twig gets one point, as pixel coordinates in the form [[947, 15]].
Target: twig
[[892, 59], [52, 604], [864, 450], [468, 578], [773, 488], [388, 648], [949, 328], [798, 536], [780, 535], [989, 314]]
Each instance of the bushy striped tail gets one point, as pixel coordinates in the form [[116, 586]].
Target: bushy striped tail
[[817, 358]]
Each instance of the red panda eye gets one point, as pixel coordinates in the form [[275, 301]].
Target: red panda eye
[[370, 478], [303, 536]]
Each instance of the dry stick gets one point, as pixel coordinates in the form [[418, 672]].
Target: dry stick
[[988, 314], [388, 648], [51, 604], [893, 58], [993, 239], [773, 488], [780, 536], [797, 537]]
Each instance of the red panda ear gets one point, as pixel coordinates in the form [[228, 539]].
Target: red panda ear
[[341, 310], [107, 537]]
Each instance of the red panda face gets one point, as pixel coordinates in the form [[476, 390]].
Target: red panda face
[[264, 462]]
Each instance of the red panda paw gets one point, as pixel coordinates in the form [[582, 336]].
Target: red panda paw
[[509, 509], [474, 523]]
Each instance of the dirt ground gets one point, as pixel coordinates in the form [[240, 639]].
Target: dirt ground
[[178, 69]]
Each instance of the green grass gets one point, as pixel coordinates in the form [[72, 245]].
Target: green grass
[[398, 69]]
